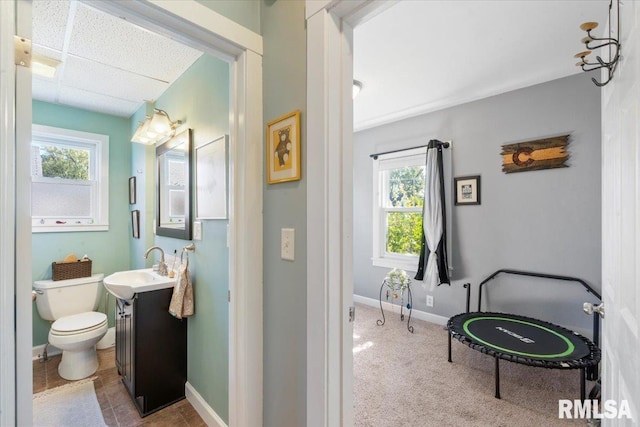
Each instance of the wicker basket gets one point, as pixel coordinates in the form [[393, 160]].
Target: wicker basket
[[71, 270]]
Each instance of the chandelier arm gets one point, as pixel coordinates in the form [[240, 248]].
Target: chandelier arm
[[597, 83], [613, 42], [603, 63], [591, 69], [601, 38]]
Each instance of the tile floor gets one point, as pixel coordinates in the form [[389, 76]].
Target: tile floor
[[115, 402]]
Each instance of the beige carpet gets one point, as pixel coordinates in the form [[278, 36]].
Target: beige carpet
[[74, 405], [404, 379]]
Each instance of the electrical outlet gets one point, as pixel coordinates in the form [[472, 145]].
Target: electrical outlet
[[429, 300], [287, 244]]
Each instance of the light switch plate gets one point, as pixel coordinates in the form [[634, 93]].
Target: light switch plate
[[287, 244], [197, 230]]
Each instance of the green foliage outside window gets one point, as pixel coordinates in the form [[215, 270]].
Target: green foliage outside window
[[406, 187], [64, 163], [404, 229], [404, 232]]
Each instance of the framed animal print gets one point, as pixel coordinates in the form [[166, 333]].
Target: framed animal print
[[283, 148]]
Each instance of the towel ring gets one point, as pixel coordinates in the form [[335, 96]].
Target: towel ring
[[186, 249], [182, 255]]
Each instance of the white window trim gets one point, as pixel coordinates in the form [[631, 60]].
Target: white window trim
[[381, 258], [101, 143]]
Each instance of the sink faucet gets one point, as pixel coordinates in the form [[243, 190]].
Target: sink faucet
[[162, 266]]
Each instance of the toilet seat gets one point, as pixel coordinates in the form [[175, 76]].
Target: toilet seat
[[78, 323]]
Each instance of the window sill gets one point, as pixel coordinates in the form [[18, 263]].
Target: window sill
[[68, 228], [404, 264]]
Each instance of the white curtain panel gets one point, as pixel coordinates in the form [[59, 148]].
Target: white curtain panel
[[432, 218]]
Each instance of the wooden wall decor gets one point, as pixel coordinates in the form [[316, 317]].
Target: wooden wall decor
[[547, 153]]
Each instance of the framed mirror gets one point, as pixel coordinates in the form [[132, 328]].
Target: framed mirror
[[173, 187]]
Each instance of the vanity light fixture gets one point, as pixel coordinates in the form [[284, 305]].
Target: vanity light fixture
[[592, 43], [155, 128]]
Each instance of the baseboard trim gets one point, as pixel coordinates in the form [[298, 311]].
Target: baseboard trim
[[416, 314], [203, 409], [38, 351]]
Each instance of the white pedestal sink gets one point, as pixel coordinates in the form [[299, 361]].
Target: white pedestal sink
[[125, 284]]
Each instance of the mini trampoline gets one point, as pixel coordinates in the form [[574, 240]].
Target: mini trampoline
[[526, 340]]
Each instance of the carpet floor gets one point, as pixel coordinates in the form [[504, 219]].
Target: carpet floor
[[404, 379]]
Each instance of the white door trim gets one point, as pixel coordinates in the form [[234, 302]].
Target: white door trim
[[245, 228], [7, 216], [219, 36], [23, 252], [329, 207]]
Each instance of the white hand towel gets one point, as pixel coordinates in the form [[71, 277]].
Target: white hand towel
[[182, 299]]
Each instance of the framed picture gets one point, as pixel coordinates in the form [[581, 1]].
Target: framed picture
[[467, 190], [211, 179], [283, 148], [132, 190], [135, 224]]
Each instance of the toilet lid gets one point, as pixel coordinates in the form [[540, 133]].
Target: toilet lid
[[79, 322]]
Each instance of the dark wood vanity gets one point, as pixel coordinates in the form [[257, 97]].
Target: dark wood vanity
[[151, 350]]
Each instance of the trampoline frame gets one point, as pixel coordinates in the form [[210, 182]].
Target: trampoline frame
[[588, 367]]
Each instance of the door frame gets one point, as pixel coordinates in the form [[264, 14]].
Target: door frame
[[330, 26], [201, 28], [7, 216]]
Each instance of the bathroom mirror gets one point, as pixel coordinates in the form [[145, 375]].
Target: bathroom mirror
[[173, 187]]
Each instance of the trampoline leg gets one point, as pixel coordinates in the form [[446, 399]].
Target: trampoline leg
[[582, 385], [497, 378], [449, 346]]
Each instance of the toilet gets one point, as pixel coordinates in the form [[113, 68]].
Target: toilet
[[76, 328]]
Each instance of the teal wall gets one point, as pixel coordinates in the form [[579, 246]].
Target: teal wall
[[285, 282], [109, 250], [200, 98], [282, 24]]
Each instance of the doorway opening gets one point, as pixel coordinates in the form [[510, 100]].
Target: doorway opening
[[240, 64]]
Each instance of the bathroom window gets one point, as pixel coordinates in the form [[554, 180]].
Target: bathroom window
[[69, 180], [398, 184]]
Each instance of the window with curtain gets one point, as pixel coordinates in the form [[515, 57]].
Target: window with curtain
[[69, 180], [398, 183]]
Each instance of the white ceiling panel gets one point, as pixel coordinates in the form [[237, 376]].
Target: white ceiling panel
[[51, 20], [421, 56], [45, 51], [43, 89], [96, 102], [108, 65], [116, 82], [107, 39]]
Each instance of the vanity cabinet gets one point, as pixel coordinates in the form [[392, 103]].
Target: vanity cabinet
[[151, 350]]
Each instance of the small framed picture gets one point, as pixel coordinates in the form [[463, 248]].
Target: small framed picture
[[283, 148], [132, 190], [135, 224], [467, 190], [211, 179]]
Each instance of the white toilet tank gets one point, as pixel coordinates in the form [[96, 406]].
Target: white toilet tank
[[61, 298]]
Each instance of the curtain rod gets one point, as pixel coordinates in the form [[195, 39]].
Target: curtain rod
[[443, 144]]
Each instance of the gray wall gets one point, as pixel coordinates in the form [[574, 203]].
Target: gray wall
[[285, 294], [545, 221]]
